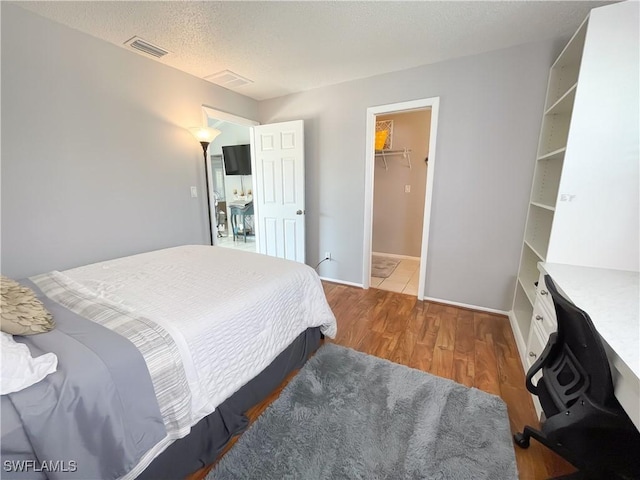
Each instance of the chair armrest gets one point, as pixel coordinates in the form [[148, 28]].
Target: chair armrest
[[540, 362]]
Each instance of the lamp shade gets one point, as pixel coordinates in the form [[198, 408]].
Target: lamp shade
[[204, 134]]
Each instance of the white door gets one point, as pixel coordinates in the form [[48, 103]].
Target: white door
[[278, 151]]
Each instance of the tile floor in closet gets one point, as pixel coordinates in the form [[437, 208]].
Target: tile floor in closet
[[404, 278]]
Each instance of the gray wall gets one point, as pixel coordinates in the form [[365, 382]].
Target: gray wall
[[490, 111], [96, 161], [397, 215]]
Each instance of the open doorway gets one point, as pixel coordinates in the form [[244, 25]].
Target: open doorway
[[399, 187], [231, 189], [273, 196], [400, 171]]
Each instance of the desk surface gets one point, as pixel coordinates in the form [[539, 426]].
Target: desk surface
[[241, 204], [612, 300]]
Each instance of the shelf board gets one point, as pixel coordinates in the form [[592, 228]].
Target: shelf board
[[565, 103], [554, 132], [542, 205], [531, 296], [526, 242], [555, 155]]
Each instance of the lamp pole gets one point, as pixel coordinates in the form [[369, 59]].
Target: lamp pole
[[205, 145], [205, 136]]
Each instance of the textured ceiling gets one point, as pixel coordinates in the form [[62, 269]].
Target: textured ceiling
[[286, 47]]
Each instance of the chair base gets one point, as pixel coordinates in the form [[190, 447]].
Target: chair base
[[573, 476], [523, 441]]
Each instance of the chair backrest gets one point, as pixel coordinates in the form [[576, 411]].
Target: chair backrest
[[581, 365]]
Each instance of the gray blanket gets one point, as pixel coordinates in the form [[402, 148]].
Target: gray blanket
[[94, 418]]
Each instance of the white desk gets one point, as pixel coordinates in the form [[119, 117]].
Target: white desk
[[612, 300]]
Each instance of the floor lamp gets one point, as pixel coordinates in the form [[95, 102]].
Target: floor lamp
[[205, 136]]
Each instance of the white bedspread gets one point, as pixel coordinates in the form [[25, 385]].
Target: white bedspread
[[230, 312]]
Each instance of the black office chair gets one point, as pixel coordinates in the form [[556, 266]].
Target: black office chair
[[585, 423]]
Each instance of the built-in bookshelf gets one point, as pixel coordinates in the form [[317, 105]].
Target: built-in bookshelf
[[554, 132], [583, 210]]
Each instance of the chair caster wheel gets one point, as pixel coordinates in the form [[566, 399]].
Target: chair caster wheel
[[521, 440]]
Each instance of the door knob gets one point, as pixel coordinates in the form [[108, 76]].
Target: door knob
[[299, 212]]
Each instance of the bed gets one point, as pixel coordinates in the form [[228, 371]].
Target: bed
[[159, 355]]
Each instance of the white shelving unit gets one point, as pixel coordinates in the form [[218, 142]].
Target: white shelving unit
[[554, 132], [583, 209]]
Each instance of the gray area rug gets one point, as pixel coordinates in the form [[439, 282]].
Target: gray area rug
[[383, 267], [347, 415]]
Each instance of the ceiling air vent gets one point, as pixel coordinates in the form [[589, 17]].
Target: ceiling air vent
[[228, 79], [146, 47]]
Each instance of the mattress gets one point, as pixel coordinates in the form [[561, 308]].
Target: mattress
[[210, 435], [229, 312]]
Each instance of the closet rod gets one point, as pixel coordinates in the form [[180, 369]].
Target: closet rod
[[393, 152], [404, 152]]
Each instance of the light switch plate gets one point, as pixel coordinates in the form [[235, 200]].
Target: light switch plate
[[407, 189], [194, 192]]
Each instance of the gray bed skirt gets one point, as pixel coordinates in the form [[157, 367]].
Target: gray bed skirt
[[209, 436]]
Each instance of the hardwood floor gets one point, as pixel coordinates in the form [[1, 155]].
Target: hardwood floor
[[473, 348]]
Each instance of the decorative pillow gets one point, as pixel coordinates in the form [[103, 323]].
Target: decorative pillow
[[19, 369], [22, 312]]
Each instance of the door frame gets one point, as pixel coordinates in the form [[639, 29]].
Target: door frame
[[372, 112], [212, 113], [209, 113]]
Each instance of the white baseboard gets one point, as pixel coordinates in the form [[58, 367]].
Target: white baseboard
[[520, 341], [395, 255], [342, 282], [466, 305]]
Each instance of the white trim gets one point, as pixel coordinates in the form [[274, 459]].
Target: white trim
[[395, 255], [426, 222], [434, 103], [342, 282], [210, 112], [520, 342], [254, 183], [466, 305]]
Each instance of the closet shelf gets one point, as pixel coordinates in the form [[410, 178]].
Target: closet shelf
[[404, 152]]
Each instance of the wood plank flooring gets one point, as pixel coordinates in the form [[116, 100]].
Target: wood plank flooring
[[473, 348]]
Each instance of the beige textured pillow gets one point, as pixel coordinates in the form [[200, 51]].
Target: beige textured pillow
[[22, 312]]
